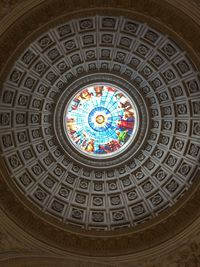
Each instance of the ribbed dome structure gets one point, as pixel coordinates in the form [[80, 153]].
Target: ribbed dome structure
[[99, 133], [79, 184]]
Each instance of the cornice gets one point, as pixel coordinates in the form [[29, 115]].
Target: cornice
[[28, 249]]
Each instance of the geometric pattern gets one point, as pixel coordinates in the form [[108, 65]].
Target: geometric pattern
[[145, 180]]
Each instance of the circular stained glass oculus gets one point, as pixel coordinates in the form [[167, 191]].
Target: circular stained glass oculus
[[101, 120]]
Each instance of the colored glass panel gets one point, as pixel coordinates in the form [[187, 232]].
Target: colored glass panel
[[100, 120]]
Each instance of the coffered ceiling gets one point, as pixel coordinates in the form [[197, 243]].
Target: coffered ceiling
[[146, 195]]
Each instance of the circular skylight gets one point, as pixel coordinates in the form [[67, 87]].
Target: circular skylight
[[100, 120]]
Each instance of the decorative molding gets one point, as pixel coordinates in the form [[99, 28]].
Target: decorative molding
[[185, 251], [7, 6], [9, 243], [150, 176], [162, 17]]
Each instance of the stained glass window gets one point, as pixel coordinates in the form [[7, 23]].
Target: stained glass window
[[100, 120]]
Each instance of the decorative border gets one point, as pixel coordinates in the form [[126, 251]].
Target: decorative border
[[118, 82]]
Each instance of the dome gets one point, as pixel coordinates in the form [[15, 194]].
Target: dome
[[100, 126], [66, 91]]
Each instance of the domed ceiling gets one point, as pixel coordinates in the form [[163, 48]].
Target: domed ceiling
[[100, 126], [71, 72]]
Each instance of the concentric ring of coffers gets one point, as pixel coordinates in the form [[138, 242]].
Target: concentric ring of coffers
[[135, 189]]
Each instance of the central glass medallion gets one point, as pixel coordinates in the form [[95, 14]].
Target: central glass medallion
[[100, 120]]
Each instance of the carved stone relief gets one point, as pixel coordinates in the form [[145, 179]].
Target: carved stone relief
[[126, 191]]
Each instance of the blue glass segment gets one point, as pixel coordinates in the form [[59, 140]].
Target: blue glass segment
[[100, 120]]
